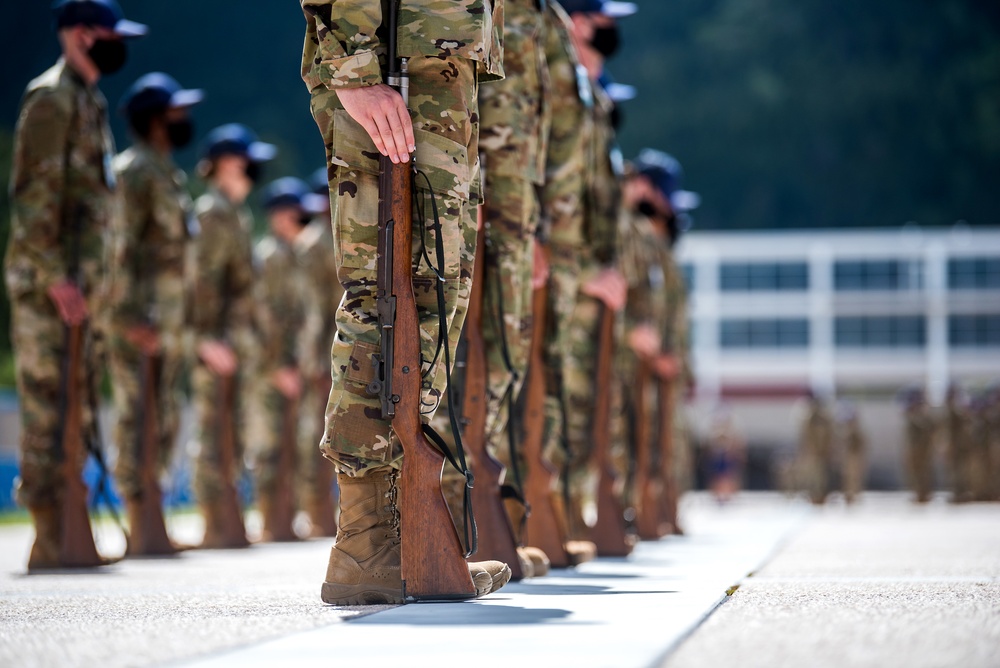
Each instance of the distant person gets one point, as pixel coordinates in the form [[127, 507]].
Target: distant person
[[64, 199], [726, 456], [853, 442], [149, 299], [920, 431], [222, 320], [816, 449], [958, 432], [985, 451]]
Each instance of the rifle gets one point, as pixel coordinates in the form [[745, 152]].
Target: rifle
[[148, 533], [281, 510], [665, 423], [608, 534], [545, 527], [496, 535], [648, 483], [229, 522], [433, 565]]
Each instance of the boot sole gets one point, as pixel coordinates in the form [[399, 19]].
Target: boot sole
[[338, 594]]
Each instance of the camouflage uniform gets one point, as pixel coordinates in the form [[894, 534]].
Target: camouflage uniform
[[450, 51], [151, 249], [513, 137], [854, 459], [958, 425], [816, 443], [920, 430], [279, 315], [64, 200], [222, 309], [314, 249]]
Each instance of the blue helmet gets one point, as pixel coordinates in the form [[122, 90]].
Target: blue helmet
[[102, 13], [320, 182], [611, 8], [157, 91], [237, 139], [666, 173], [292, 191]]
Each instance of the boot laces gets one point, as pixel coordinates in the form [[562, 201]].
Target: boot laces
[[393, 495]]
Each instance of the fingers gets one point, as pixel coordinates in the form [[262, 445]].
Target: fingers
[[406, 124]]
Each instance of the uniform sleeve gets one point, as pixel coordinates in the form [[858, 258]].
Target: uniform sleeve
[[127, 300], [211, 249], [634, 264], [341, 42], [37, 192], [278, 310]]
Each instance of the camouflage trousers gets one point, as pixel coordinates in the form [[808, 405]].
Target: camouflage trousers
[[127, 389], [38, 338], [209, 480], [921, 469], [356, 437], [266, 421]]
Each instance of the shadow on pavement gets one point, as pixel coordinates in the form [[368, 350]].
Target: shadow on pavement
[[463, 614]]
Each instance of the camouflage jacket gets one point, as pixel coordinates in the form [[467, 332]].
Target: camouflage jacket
[[674, 319], [343, 41], [314, 249], [222, 297], [63, 192], [569, 136], [603, 183], [279, 304], [151, 243], [515, 113]]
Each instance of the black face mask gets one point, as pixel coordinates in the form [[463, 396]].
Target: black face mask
[[606, 40], [647, 209], [617, 117], [180, 133], [108, 55], [254, 171]]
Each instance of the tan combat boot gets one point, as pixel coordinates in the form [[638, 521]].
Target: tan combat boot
[[45, 549], [364, 566], [537, 558]]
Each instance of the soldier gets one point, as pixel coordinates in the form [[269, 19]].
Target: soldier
[[315, 250], [920, 430], [958, 430], [280, 313], [600, 284], [222, 318], [450, 49], [816, 448], [64, 198], [853, 448], [150, 284]]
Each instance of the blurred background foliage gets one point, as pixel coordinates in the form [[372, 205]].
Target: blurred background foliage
[[784, 114]]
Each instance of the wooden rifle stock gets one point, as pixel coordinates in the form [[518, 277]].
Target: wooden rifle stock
[[150, 537], [76, 539], [433, 564], [668, 498], [545, 527], [496, 536], [608, 534], [233, 531], [281, 510], [648, 482]]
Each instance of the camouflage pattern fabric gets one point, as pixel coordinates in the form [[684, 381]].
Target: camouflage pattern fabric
[[64, 198], [958, 423], [444, 109], [816, 450], [221, 310], [151, 276], [853, 470], [920, 431], [342, 46], [279, 315]]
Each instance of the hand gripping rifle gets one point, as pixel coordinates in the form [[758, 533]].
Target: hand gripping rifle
[[608, 533], [496, 536], [433, 565], [149, 536], [545, 527]]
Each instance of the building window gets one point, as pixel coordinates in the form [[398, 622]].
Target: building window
[[974, 331], [687, 271], [974, 273], [764, 333], [758, 276], [909, 331], [852, 275]]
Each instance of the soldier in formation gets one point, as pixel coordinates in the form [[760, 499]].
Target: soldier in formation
[[65, 200], [853, 447], [151, 284], [920, 430], [816, 449]]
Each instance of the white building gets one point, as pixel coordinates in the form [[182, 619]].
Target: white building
[[856, 313]]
